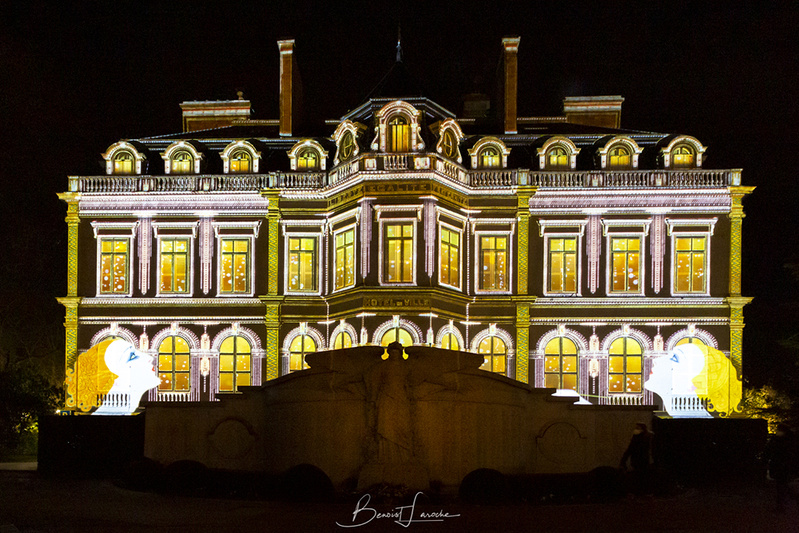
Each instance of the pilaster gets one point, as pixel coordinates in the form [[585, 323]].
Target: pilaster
[[737, 304], [736, 222], [522, 342]]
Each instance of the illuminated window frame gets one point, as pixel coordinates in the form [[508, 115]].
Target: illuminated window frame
[[343, 328], [182, 146], [241, 231], [317, 266], [560, 354], [451, 128], [176, 230], [475, 153], [234, 147], [505, 337], [443, 226], [302, 331], [114, 150], [624, 339], [302, 147], [336, 233], [691, 143], [397, 215], [354, 130], [558, 142], [630, 229], [691, 228], [562, 229], [235, 373], [478, 235], [451, 330], [115, 230], [391, 111], [174, 372], [619, 141]]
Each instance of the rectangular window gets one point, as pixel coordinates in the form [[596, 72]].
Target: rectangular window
[[563, 265], [494, 263], [302, 264], [626, 264], [345, 259], [449, 257], [690, 264], [399, 253], [114, 263], [174, 257], [235, 266]]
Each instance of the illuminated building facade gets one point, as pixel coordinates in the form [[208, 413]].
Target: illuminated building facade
[[568, 251]]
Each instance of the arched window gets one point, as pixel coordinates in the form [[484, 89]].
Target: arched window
[[619, 157], [624, 366], [342, 340], [300, 346], [489, 157], [173, 364], [690, 340], [560, 364], [494, 353], [557, 157], [449, 145], [682, 156], [123, 162], [347, 147], [450, 342], [240, 162], [396, 334], [182, 162], [308, 159], [235, 363], [398, 134]]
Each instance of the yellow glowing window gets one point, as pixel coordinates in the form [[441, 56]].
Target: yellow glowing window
[[563, 265], [342, 340], [450, 342], [626, 259], [690, 340], [619, 157], [174, 265], [114, 266], [682, 157], [690, 263], [235, 266], [494, 263], [448, 144], [123, 163], [489, 158], [560, 364], [494, 353], [399, 253], [345, 259], [182, 163], [557, 158], [300, 346], [240, 162], [398, 134], [302, 264], [347, 147], [397, 334], [624, 366], [308, 159], [235, 363], [173, 364], [449, 271]]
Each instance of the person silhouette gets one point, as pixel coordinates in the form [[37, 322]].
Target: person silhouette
[[135, 373]]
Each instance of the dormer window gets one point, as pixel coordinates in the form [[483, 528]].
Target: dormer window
[[489, 157], [240, 162], [557, 158], [489, 152], [450, 136], [558, 153], [308, 159], [448, 144], [182, 163], [347, 147], [123, 162], [682, 157], [398, 134], [308, 156], [619, 157]]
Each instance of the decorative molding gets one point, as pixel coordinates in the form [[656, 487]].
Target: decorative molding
[[594, 246], [657, 250]]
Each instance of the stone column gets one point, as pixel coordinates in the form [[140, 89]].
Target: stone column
[[71, 301]]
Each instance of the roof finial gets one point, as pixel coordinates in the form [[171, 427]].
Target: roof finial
[[399, 43]]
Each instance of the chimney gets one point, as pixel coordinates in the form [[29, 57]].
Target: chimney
[[286, 84], [511, 45], [604, 111]]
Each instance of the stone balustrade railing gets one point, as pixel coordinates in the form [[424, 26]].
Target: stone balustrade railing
[[368, 163]]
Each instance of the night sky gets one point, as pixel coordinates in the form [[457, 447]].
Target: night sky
[[76, 77]]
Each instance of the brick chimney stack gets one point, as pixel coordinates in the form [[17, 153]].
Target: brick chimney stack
[[511, 46], [286, 48]]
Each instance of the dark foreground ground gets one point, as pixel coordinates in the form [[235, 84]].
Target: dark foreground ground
[[30, 502]]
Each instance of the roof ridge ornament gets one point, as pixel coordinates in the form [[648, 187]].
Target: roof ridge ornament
[[399, 43]]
